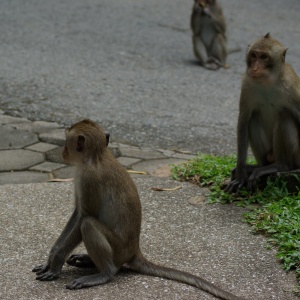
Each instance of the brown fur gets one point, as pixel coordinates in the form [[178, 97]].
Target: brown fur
[[269, 117]]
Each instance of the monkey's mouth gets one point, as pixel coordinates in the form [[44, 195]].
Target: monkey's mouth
[[256, 74]]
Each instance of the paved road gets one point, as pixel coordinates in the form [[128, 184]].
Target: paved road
[[129, 65]]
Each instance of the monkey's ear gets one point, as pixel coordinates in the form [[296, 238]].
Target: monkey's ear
[[107, 138], [267, 35], [283, 55], [80, 143]]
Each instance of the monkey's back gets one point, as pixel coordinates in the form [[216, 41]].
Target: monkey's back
[[110, 191]]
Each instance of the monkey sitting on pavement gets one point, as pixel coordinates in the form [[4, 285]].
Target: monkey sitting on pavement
[[107, 218], [209, 39]]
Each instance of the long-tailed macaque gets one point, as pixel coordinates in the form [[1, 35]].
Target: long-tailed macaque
[[269, 117], [107, 218], [209, 40]]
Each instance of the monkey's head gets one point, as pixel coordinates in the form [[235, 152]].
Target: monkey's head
[[265, 59], [85, 140], [203, 6]]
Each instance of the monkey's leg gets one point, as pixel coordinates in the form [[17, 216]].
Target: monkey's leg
[[286, 149], [261, 145], [102, 246], [261, 141], [199, 49], [217, 53], [80, 261]]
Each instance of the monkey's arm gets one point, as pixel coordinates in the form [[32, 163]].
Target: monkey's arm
[[218, 20], [286, 145], [195, 22], [241, 172], [67, 241]]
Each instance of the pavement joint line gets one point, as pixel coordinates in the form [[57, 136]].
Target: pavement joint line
[[33, 149]]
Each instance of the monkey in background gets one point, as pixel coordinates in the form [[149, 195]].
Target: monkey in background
[[107, 218], [269, 116], [209, 28]]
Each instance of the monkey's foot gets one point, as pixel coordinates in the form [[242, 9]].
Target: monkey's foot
[[48, 276], [44, 273], [80, 261], [39, 269], [88, 281], [263, 171], [234, 186], [213, 64]]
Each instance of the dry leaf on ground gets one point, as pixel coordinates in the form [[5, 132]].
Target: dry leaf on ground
[[165, 189]]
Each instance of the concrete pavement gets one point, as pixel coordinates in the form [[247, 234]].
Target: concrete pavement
[[207, 240]]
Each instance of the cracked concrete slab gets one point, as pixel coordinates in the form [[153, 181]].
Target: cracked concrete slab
[[157, 167], [22, 177], [41, 147], [19, 159], [47, 166], [16, 139], [56, 136]]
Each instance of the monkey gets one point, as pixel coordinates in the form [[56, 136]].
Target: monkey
[[106, 218], [209, 39], [269, 115]]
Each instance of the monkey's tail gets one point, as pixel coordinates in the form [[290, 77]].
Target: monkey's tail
[[141, 265]]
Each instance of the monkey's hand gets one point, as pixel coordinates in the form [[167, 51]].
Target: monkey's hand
[[206, 12], [238, 180], [263, 171], [80, 261], [44, 273]]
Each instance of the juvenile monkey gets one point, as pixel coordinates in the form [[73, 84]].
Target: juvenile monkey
[[107, 218], [209, 40], [269, 117]]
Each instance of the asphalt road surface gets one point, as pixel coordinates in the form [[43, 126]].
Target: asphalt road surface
[[129, 65]]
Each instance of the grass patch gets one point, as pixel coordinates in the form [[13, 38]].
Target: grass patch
[[278, 213]]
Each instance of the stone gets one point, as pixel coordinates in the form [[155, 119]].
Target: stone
[[19, 159], [114, 148], [55, 155], [22, 177], [42, 126], [167, 153], [15, 139], [140, 153], [197, 200], [66, 172], [47, 166], [127, 162], [4, 119], [56, 136], [157, 167], [183, 156], [41, 147], [36, 126]]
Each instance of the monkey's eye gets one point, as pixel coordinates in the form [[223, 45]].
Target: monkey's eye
[[263, 56], [253, 55]]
